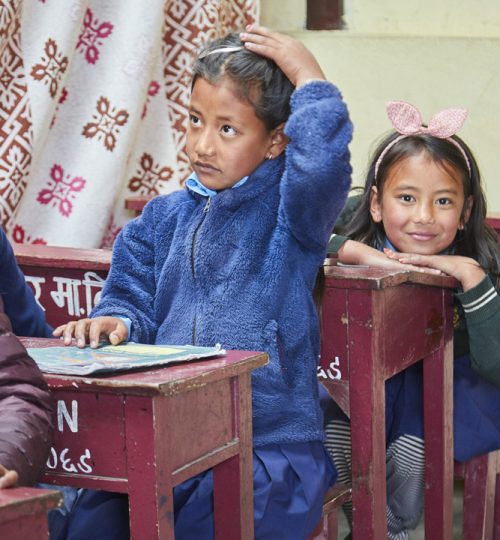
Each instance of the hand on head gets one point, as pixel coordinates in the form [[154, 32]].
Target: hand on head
[[92, 331], [8, 478], [292, 57]]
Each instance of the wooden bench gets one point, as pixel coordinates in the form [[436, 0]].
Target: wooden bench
[[67, 282], [335, 497], [376, 323], [23, 512]]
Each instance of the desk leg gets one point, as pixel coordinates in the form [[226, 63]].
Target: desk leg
[[438, 433], [367, 413], [233, 479], [149, 472]]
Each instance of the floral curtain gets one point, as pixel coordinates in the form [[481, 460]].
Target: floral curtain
[[93, 97]]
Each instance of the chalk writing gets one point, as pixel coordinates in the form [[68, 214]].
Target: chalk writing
[[36, 282], [67, 295], [64, 461], [332, 372], [63, 413]]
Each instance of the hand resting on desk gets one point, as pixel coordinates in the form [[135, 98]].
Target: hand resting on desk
[[92, 331], [357, 253]]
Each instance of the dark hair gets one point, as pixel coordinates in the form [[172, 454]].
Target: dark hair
[[259, 80], [477, 240]]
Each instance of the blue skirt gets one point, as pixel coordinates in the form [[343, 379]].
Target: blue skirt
[[290, 481], [476, 409]]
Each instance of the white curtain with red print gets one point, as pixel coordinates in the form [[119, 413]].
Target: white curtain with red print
[[93, 97]]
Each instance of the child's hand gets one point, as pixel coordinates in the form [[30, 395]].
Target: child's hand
[[93, 330], [353, 252], [465, 269], [293, 58], [8, 478]]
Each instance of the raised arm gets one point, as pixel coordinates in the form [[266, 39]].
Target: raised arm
[[318, 173]]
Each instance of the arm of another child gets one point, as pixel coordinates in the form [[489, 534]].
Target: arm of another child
[[25, 413], [356, 253], [465, 269]]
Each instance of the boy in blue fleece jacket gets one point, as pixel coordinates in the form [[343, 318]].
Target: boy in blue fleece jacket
[[233, 258]]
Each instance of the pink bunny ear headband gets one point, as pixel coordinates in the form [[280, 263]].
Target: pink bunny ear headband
[[407, 121]]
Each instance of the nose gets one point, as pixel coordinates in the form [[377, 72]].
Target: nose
[[204, 143], [424, 213]]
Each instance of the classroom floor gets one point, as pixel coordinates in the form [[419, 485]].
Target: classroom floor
[[418, 534]]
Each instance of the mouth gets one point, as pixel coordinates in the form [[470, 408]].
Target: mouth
[[422, 236], [206, 168]]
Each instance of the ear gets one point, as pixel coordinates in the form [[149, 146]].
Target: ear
[[466, 213], [375, 206], [278, 142]]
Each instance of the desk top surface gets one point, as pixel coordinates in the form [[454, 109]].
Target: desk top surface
[[62, 257], [363, 277], [167, 380]]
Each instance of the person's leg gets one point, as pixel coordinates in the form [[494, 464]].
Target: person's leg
[[338, 444], [87, 513], [405, 485], [290, 482], [405, 477]]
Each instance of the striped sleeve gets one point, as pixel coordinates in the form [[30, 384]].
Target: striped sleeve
[[480, 302]]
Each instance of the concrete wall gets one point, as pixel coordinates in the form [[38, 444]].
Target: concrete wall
[[432, 56]]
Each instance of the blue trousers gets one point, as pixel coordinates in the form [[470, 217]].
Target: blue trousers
[[290, 481]]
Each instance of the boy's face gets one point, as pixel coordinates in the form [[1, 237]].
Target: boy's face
[[225, 139]]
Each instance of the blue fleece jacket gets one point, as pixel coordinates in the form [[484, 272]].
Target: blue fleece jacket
[[26, 316], [240, 270]]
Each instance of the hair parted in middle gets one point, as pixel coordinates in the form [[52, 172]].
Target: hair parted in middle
[[257, 79]]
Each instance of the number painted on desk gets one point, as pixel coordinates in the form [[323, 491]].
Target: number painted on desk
[[332, 372], [62, 459]]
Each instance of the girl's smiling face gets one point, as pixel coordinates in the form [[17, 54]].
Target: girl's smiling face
[[422, 205], [226, 141]]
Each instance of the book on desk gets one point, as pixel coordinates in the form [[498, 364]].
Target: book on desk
[[71, 360]]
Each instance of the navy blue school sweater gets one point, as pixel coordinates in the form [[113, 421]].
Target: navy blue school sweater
[[239, 269]]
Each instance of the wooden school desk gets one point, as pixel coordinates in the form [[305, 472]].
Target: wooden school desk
[[67, 282], [376, 323], [143, 433], [23, 512]]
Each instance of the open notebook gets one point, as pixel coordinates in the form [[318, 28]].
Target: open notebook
[[106, 358]]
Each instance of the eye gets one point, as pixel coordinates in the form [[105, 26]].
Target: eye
[[194, 120], [443, 201], [406, 198], [228, 130]]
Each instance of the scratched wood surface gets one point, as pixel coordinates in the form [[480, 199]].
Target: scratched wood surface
[[23, 512], [374, 324]]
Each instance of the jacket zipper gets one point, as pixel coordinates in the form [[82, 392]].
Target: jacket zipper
[[193, 250]]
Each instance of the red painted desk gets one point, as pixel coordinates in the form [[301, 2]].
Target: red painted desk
[[67, 282], [375, 323], [143, 433], [23, 512]]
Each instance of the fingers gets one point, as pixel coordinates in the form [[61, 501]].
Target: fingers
[[293, 58], [92, 331], [8, 478]]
